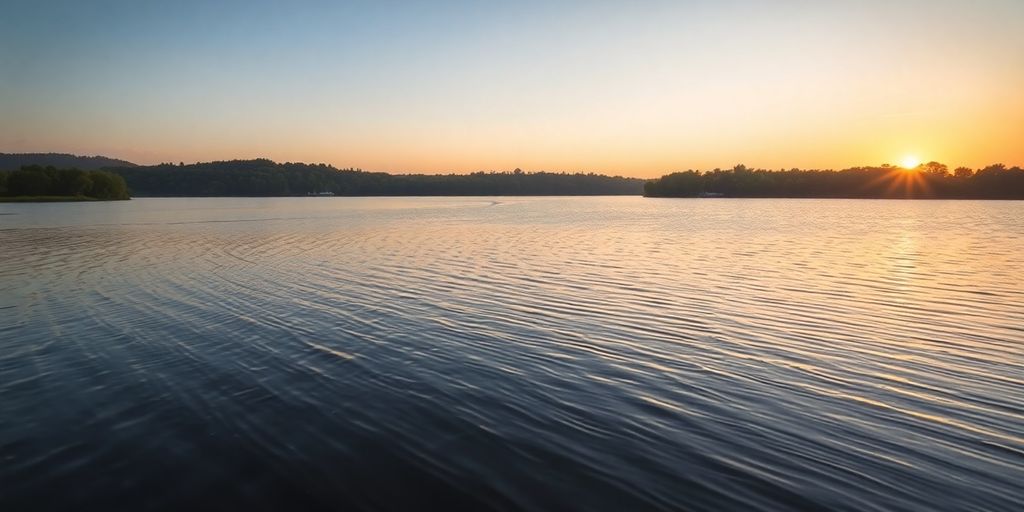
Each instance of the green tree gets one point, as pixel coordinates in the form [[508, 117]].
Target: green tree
[[70, 182], [107, 185], [29, 181]]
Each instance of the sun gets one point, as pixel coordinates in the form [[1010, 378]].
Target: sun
[[910, 162]]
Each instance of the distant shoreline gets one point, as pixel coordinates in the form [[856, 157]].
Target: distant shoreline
[[266, 178], [53, 199], [927, 181], [858, 198]]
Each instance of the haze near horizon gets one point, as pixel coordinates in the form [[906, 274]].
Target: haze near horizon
[[638, 90]]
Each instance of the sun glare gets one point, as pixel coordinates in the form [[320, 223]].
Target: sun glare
[[910, 162]]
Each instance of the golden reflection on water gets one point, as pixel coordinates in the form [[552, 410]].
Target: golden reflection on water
[[805, 338]]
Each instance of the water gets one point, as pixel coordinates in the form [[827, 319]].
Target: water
[[512, 353]]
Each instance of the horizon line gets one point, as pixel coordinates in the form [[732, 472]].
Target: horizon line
[[536, 170]]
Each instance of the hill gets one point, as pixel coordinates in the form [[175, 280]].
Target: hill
[[14, 161], [263, 177]]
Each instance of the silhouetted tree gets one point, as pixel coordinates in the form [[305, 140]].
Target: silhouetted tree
[[932, 180], [263, 177], [935, 169]]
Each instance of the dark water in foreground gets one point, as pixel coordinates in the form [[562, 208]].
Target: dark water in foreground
[[512, 353]]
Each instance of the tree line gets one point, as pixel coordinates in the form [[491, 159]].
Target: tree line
[[928, 181], [38, 181], [263, 177]]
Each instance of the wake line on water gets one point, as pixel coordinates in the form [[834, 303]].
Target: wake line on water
[[344, 355]]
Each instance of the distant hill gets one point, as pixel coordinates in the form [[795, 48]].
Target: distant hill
[[14, 161], [263, 177]]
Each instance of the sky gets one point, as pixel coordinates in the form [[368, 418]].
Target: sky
[[636, 88]]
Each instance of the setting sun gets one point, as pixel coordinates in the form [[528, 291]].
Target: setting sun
[[910, 162]]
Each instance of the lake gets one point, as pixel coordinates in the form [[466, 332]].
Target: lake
[[510, 353]]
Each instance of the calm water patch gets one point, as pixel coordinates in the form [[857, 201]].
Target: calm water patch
[[512, 353]]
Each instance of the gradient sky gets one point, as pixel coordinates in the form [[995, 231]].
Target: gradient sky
[[637, 88]]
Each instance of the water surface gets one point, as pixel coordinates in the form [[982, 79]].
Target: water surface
[[512, 353]]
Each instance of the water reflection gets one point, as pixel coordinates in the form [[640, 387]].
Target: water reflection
[[584, 353]]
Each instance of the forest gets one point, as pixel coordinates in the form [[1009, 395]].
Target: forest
[[927, 181], [49, 183], [263, 177]]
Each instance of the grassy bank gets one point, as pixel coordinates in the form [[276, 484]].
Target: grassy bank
[[50, 199]]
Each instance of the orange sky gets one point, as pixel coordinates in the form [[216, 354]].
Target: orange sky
[[639, 90]]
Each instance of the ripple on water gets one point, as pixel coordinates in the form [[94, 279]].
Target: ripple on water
[[526, 353]]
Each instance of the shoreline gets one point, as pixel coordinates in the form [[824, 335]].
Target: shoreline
[[53, 199]]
